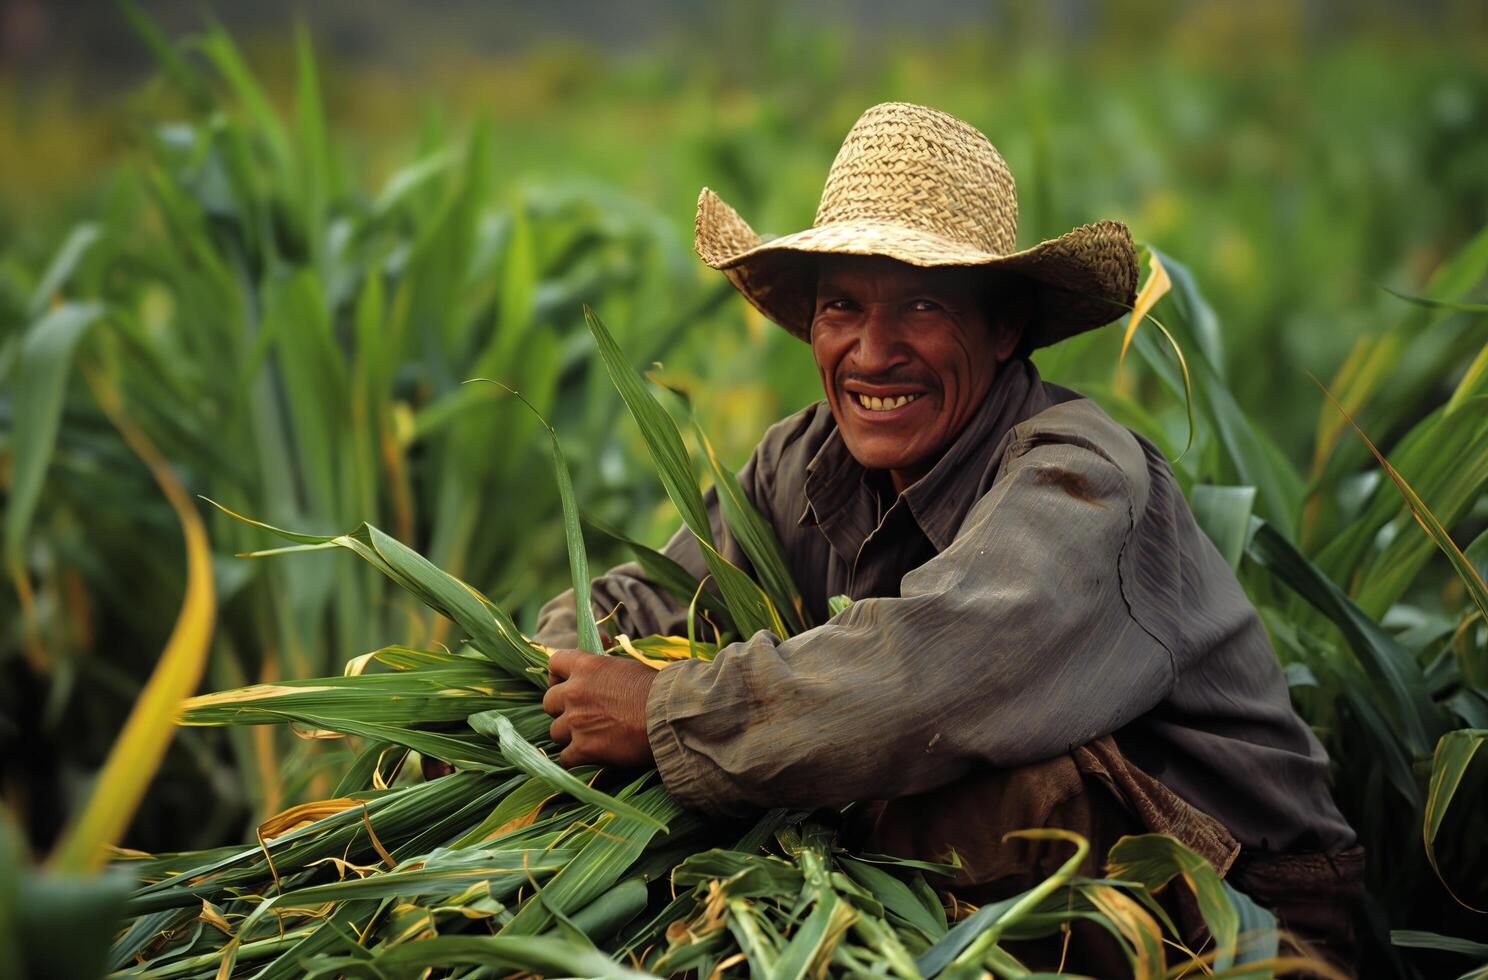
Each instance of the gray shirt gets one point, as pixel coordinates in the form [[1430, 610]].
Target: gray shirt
[[1043, 585]]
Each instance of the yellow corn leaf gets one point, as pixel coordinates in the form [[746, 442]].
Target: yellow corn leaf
[[315, 734], [1471, 381], [137, 752], [376, 844], [518, 822], [356, 665], [253, 692], [305, 813], [1154, 289], [1143, 935], [630, 649], [212, 916], [342, 867]]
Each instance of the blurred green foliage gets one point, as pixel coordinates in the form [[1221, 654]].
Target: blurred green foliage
[[288, 271], [1295, 158]]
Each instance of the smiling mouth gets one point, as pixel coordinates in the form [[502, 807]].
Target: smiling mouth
[[873, 403]]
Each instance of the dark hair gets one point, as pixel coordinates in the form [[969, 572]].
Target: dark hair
[[1011, 298]]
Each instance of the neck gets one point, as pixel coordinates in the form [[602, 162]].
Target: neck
[[904, 479]]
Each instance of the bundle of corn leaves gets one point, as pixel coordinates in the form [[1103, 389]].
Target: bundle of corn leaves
[[513, 864]]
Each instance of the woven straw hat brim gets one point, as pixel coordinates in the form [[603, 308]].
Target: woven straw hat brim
[[1088, 275]]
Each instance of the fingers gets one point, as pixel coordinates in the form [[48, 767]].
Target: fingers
[[560, 731], [573, 756], [553, 699], [561, 664]]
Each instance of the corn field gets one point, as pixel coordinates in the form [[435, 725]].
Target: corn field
[[247, 347]]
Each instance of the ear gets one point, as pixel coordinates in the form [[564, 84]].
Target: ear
[[1009, 302], [1009, 334]]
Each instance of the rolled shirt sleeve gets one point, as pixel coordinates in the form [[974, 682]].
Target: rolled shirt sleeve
[[1014, 644]]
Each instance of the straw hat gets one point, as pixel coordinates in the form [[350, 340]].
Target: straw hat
[[923, 187]]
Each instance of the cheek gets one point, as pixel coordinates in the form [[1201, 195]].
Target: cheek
[[827, 354], [953, 365]]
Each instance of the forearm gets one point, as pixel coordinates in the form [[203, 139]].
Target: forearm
[[851, 712]]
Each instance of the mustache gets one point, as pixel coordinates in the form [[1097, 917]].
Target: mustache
[[893, 378]]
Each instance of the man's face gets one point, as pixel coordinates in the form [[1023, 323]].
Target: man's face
[[906, 356]]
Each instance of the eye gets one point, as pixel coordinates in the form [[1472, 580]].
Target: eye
[[838, 304], [924, 306]]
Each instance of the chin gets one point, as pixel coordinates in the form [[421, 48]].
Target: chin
[[874, 457]]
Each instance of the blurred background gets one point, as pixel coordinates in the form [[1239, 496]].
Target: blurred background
[[281, 235]]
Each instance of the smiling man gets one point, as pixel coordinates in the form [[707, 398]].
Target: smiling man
[[1040, 635]]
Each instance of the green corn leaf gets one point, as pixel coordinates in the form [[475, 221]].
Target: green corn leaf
[[401, 698], [1255, 459], [578, 561], [748, 605], [314, 148], [521, 804], [742, 875], [1029, 900], [756, 538], [374, 757], [1224, 515], [1406, 702], [539, 955], [529, 759], [176, 68], [678, 582], [491, 630], [449, 747], [896, 897], [220, 50], [1454, 752], [1126, 917], [1393, 356], [602, 862], [348, 920], [38, 389], [405, 183], [811, 946], [612, 911], [1438, 304], [975, 933], [442, 872], [1153, 860], [657, 429], [1418, 939], [74, 249], [1425, 517]]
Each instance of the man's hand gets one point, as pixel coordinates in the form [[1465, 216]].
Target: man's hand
[[598, 706]]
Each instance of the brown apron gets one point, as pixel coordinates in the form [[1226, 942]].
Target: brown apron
[[1098, 793]]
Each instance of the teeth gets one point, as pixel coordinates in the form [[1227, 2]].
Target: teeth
[[876, 404]]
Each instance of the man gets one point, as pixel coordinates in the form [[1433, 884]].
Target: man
[[1041, 635]]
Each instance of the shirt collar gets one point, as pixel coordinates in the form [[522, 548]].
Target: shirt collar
[[842, 504]]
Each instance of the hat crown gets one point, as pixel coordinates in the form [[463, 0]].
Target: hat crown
[[914, 166]]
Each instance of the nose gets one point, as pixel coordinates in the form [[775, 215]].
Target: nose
[[880, 347]]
